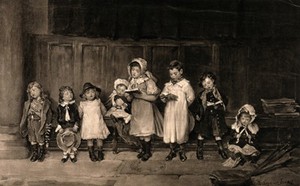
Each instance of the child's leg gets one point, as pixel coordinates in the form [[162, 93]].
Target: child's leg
[[65, 157], [172, 153], [99, 147], [142, 149], [147, 143], [90, 145], [199, 151], [182, 155], [34, 149], [72, 156], [221, 148]]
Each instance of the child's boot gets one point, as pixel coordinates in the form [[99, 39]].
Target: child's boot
[[100, 154], [199, 152], [148, 153], [172, 153], [65, 158], [221, 149], [91, 154], [142, 149], [182, 155], [73, 158], [34, 156], [41, 153]]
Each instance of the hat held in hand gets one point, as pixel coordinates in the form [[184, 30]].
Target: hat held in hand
[[68, 139]]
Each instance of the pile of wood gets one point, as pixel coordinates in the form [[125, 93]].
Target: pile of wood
[[280, 107]]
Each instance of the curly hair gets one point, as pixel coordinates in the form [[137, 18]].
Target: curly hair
[[62, 90], [37, 85], [209, 75]]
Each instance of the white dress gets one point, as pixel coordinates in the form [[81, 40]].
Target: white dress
[[93, 125], [176, 119]]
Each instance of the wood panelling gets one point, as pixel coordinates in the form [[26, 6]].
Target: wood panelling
[[161, 57], [73, 61]]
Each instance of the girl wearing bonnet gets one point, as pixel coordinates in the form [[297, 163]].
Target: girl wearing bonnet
[[243, 145], [146, 119]]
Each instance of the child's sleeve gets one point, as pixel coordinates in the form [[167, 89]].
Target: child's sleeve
[[80, 110], [152, 89], [164, 92], [190, 94], [103, 108], [197, 108]]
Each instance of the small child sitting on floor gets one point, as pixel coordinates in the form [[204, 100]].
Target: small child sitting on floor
[[242, 145]]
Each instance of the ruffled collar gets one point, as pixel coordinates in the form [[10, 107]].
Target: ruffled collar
[[67, 103]]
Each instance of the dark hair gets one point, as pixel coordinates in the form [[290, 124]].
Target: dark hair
[[135, 64], [175, 64], [243, 113], [205, 75], [61, 93]]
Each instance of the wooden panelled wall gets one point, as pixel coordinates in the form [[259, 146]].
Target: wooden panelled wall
[[59, 60]]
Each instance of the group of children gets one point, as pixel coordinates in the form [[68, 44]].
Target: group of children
[[133, 103]]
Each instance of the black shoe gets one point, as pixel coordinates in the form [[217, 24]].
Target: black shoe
[[182, 156], [221, 149], [64, 159], [146, 157], [73, 160], [100, 155], [91, 154], [171, 155], [147, 154], [199, 151], [142, 150], [41, 154], [34, 156]]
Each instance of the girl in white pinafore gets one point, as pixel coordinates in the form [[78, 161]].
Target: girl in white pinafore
[[178, 94], [93, 128]]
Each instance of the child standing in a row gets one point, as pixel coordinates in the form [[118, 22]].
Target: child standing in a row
[[36, 120], [209, 112], [146, 119], [178, 95], [92, 110]]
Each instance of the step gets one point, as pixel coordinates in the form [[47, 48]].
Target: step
[[14, 153], [10, 137], [9, 129]]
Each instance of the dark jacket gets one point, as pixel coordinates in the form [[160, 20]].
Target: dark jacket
[[209, 113], [46, 117], [73, 112]]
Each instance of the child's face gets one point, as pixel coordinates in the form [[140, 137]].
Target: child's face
[[90, 94], [121, 90], [208, 83], [245, 119], [35, 92], [67, 96], [135, 71], [175, 74]]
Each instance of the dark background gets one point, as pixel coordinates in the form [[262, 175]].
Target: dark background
[[258, 40], [252, 45]]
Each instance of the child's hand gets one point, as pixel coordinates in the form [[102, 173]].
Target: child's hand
[[58, 128], [198, 117], [119, 102], [75, 128]]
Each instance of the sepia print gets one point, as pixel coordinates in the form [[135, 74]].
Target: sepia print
[[149, 92]]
